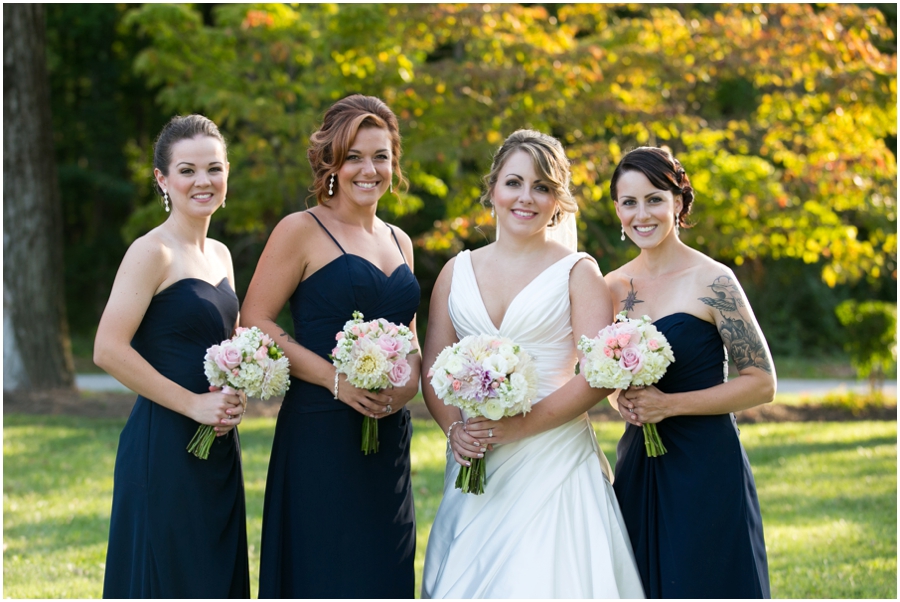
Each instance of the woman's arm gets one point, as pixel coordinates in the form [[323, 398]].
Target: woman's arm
[[143, 269], [591, 308], [747, 347], [280, 269]]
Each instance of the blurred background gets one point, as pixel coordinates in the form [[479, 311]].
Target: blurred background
[[784, 116]]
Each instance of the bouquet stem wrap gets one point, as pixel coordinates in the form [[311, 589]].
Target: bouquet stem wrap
[[629, 352], [471, 479], [373, 356], [251, 362]]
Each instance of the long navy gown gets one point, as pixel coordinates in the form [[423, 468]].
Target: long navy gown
[[692, 513], [178, 524], [338, 523]]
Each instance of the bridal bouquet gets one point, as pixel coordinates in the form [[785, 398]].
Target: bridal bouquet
[[373, 356], [251, 362], [484, 376], [627, 353]]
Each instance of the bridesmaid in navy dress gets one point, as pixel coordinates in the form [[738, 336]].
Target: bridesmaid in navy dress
[[178, 523], [692, 513], [338, 523]]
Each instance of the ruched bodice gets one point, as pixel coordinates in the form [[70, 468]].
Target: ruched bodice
[[692, 513], [538, 319], [700, 356], [178, 523], [322, 304], [547, 524]]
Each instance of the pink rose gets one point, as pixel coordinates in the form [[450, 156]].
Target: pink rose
[[228, 357], [608, 352], [653, 344], [261, 354], [389, 345], [456, 385], [399, 374], [612, 342], [627, 334], [631, 360]]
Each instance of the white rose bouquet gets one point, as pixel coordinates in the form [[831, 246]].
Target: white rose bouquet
[[629, 352], [251, 362], [484, 376], [373, 356]]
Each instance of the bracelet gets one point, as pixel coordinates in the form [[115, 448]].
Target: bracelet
[[450, 430], [336, 376]]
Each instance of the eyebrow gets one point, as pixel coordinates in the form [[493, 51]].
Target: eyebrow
[[655, 192], [191, 164], [356, 150]]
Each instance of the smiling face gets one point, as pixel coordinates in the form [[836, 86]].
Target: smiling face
[[366, 172], [523, 200], [647, 213], [197, 181]]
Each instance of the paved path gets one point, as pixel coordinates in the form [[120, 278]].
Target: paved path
[[104, 382]]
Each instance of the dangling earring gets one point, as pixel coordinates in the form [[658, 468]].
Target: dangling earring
[[623, 232], [492, 212], [223, 202], [677, 229], [166, 198], [331, 186], [392, 185]]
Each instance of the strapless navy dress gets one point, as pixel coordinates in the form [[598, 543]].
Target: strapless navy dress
[[692, 513], [338, 523], [178, 523]]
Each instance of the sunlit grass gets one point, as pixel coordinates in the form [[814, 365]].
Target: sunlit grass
[[828, 493]]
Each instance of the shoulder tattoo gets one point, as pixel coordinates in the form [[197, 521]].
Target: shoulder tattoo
[[631, 299], [738, 332]]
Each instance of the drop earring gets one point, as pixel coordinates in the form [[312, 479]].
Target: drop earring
[[677, 229], [492, 212], [623, 232], [223, 202], [331, 186], [166, 199]]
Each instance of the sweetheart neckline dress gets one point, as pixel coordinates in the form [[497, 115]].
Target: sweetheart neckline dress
[[338, 523], [548, 524], [178, 523], [693, 514]]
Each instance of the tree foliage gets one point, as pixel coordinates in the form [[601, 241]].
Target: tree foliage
[[871, 337]]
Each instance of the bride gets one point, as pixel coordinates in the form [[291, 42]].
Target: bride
[[548, 525]]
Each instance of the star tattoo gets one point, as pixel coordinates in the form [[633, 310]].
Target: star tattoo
[[631, 300]]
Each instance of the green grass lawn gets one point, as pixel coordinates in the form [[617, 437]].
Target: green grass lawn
[[828, 493]]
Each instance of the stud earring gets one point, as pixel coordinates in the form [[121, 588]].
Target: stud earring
[[623, 232], [331, 186], [166, 199]]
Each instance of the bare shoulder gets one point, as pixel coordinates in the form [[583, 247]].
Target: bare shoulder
[[618, 278], [150, 256], [405, 242], [220, 249], [585, 268]]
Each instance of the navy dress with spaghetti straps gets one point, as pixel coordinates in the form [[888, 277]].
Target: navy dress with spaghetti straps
[[178, 524], [692, 514], [338, 523]]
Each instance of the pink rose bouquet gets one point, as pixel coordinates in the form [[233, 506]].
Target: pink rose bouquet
[[484, 376], [629, 352], [373, 356], [251, 362]]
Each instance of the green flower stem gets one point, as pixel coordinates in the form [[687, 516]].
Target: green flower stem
[[369, 435], [202, 441], [471, 479], [652, 441]]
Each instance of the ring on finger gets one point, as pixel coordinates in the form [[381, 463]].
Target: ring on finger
[[388, 409], [490, 433]]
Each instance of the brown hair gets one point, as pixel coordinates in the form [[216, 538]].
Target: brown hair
[[181, 128], [663, 170], [328, 146], [550, 161]]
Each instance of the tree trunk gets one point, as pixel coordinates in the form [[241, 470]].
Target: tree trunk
[[36, 348]]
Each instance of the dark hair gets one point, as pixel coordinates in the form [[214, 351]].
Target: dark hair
[[663, 170], [181, 128], [328, 146], [550, 161]]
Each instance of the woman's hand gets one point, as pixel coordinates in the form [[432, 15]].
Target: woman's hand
[[505, 430], [222, 409], [464, 445], [373, 405], [644, 405]]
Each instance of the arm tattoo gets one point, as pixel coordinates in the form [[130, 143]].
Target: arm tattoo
[[289, 337], [738, 333], [631, 299]]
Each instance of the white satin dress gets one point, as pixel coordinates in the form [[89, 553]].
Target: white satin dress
[[548, 524]]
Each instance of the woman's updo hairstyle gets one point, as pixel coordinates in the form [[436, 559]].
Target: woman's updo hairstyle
[[663, 170], [328, 146], [550, 162], [181, 128]]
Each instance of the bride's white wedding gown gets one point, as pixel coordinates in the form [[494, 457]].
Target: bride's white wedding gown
[[547, 525]]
